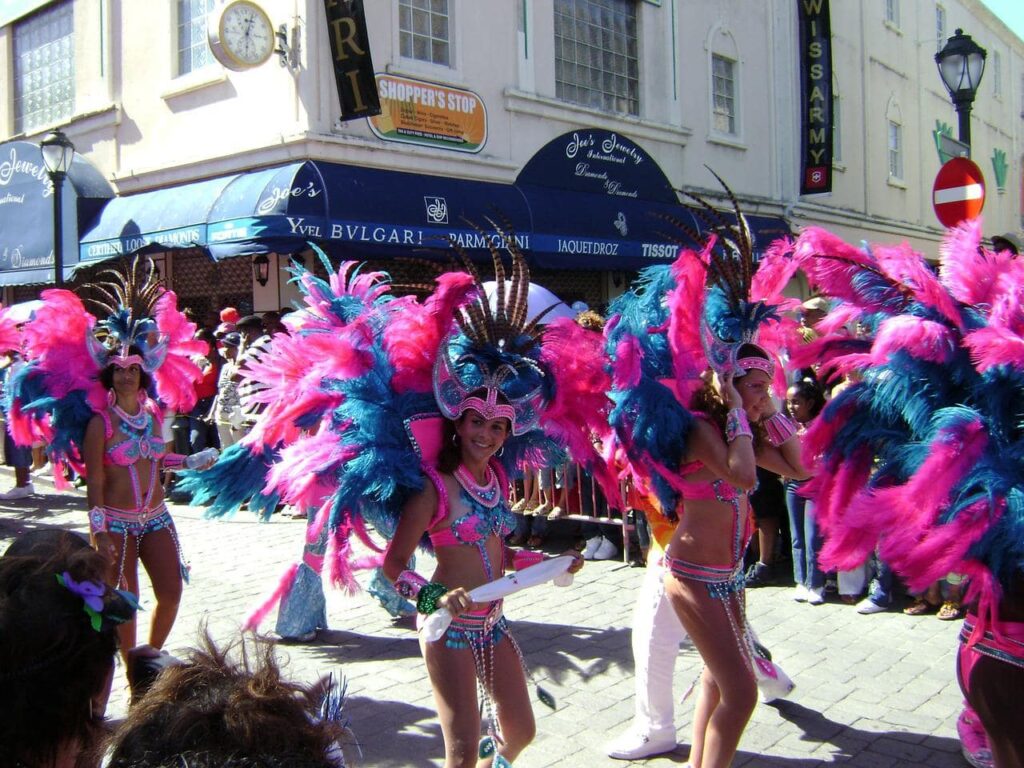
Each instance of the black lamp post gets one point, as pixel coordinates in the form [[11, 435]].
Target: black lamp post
[[961, 64], [261, 268], [58, 152]]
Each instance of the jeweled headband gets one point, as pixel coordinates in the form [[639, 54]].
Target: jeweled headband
[[125, 361], [765, 364], [489, 409]]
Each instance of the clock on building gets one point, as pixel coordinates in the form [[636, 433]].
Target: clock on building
[[240, 34]]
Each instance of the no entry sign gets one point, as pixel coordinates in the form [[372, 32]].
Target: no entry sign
[[959, 192]]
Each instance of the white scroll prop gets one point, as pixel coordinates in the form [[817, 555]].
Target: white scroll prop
[[555, 569]]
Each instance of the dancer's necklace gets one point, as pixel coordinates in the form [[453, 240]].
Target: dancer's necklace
[[486, 494], [136, 421]]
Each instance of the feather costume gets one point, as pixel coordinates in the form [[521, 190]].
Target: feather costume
[[52, 397], [676, 322], [355, 398], [921, 454]]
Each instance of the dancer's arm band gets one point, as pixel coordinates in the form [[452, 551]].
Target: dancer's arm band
[[737, 425], [426, 602], [409, 583], [174, 460], [779, 428]]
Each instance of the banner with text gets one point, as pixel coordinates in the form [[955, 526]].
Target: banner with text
[[350, 54], [430, 114], [815, 97]]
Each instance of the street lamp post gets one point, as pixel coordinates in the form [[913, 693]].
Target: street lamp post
[[58, 152], [961, 64]]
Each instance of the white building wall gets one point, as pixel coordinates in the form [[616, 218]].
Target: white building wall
[[145, 128]]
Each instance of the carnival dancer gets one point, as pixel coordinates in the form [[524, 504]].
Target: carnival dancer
[[697, 441], [358, 398], [921, 455], [102, 417]]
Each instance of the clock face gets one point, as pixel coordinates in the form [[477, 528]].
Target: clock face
[[243, 36]]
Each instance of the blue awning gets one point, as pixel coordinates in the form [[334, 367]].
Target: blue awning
[[580, 230], [27, 210], [367, 213], [172, 218], [356, 212], [350, 211]]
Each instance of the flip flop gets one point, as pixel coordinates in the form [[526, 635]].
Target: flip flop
[[949, 611], [920, 607]]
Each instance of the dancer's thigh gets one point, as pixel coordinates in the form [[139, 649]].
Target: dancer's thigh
[[709, 621], [453, 677]]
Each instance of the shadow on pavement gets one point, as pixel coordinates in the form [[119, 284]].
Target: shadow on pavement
[[387, 731], [850, 742], [341, 647], [37, 512]]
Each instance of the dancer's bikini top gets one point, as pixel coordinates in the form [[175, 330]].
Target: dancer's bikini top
[[137, 444], [479, 522], [476, 525], [717, 489]]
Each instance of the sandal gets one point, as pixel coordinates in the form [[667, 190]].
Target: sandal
[[920, 607], [949, 611]]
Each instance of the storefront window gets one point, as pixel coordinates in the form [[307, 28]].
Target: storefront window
[[596, 62], [44, 68], [193, 49], [423, 31]]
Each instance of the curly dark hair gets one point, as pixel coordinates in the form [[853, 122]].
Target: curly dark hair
[[107, 374], [214, 711], [52, 662]]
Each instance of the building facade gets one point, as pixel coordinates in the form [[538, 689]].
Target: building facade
[[474, 90]]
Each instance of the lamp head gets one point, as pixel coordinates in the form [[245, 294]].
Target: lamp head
[[261, 268], [961, 65], [58, 153]]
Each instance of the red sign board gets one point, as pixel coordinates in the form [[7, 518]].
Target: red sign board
[[959, 192]]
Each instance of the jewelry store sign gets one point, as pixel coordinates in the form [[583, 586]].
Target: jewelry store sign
[[429, 114]]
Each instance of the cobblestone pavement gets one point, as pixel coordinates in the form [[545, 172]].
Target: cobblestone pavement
[[872, 691]]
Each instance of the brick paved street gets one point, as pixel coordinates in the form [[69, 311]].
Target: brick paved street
[[872, 691]]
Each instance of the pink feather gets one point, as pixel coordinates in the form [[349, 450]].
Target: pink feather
[[685, 303], [904, 265], [257, 616], [176, 379], [413, 336], [578, 411], [774, 271], [626, 365], [923, 339]]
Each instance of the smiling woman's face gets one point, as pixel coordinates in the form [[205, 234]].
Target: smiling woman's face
[[480, 438]]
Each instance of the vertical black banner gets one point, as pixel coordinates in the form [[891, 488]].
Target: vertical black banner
[[815, 97], [350, 55]]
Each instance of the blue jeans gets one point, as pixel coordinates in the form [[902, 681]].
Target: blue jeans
[[806, 541], [880, 590]]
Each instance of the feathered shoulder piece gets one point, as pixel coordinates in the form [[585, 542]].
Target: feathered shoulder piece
[[920, 453], [134, 320], [675, 323]]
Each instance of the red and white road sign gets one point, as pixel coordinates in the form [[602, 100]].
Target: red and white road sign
[[959, 192]]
